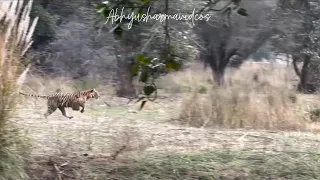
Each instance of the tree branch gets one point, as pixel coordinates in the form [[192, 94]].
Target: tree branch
[[227, 58], [258, 42]]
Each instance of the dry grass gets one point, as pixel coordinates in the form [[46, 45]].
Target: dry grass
[[258, 96], [232, 155], [15, 39], [215, 164], [119, 142]]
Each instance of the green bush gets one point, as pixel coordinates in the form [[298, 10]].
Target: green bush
[[315, 114]]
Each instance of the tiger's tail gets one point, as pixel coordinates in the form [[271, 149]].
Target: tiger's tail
[[35, 95]]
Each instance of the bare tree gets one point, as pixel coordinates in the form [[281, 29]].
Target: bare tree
[[299, 22], [232, 40]]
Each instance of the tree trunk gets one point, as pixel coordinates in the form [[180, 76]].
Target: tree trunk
[[295, 66], [218, 77], [125, 80], [303, 85]]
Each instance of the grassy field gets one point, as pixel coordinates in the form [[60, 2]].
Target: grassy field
[[250, 130], [255, 127]]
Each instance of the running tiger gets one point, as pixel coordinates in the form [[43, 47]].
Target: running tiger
[[61, 101]]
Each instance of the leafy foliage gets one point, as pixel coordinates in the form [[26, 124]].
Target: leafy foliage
[[148, 69]]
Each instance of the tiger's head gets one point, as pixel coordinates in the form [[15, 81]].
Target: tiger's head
[[94, 94]]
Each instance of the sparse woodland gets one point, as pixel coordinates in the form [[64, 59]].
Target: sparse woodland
[[231, 97]]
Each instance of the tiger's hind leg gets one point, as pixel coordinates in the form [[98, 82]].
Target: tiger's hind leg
[[63, 111], [50, 110]]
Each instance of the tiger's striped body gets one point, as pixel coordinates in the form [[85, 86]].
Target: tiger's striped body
[[61, 101]]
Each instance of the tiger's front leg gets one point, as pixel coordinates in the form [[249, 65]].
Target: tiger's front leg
[[82, 106]]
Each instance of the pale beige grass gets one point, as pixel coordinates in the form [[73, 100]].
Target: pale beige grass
[[101, 130], [16, 30], [269, 102]]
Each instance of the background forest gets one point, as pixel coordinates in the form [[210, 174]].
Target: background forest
[[234, 97]]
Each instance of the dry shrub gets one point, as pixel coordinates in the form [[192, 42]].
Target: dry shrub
[[258, 96], [15, 39], [193, 79], [47, 85]]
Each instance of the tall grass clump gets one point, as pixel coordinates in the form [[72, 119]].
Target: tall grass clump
[[257, 96], [15, 39]]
